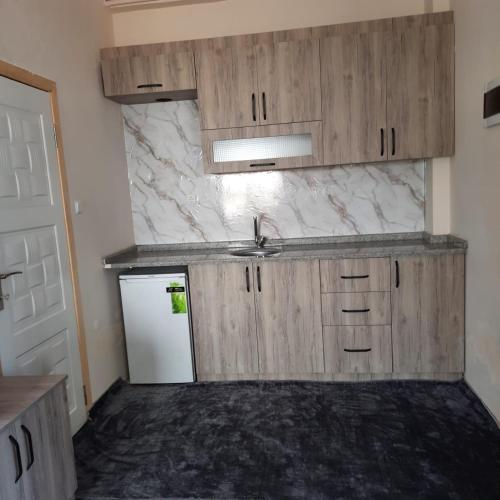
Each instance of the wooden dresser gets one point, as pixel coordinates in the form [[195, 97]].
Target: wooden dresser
[[36, 449]]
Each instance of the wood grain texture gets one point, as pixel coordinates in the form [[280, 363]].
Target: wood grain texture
[[337, 377], [353, 83], [428, 314], [334, 307], [312, 128], [420, 92], [173, 71], [9, 489], [355, 275], [289, 82], [375, 338], [223, 312], [288, 316], [226, 81]]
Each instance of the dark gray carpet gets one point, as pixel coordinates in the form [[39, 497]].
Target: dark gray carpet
[[249, 440]]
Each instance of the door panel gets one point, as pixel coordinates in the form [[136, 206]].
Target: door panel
[[33, 240], [226, 82], [223, 308], [289, 82], [288, 306], [9, 488], [353, 76], [428, 314], [420, 92]]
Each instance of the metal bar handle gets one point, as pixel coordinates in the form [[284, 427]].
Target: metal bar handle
[[29, 446], [355, 310], [254, 108], [356, 277], [247, 275], [259, 284], [270, 164], [381, 142], [264, 105], [150, 85], [368, 349], [397, 274], [19, 464], [393, 132]]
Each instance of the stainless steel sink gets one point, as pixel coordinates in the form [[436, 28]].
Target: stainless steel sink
[[255, 251]]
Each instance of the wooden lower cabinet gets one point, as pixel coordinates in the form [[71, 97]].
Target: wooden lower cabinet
[[428, 314], [256, 318], [223, 310], [37, 461], [357, 349], [288, 311]]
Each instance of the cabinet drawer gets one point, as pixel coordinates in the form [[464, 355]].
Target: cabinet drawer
[[355, 275], [364, 308], [357, 349]]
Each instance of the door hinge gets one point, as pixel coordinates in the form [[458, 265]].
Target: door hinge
[[85, 395], [55, 136]]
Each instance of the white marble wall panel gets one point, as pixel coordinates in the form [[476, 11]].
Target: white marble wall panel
[[174, 202]]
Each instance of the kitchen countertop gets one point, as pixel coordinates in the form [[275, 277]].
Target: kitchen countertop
[[17, 394], [304, 248]]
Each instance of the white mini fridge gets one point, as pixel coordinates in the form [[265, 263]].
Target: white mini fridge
[[156, 313]]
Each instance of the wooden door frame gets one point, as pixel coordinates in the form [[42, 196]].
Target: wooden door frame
[[25, 77]]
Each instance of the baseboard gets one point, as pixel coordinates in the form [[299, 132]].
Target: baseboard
[[332, 377]]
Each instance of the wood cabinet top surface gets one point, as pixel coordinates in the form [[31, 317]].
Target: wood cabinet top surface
[[18, 394]]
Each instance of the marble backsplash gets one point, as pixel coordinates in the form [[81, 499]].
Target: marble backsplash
[[174, 202]]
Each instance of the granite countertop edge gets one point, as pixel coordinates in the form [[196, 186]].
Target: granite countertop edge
[[363, 246]]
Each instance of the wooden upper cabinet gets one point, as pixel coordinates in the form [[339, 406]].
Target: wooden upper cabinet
[[289, 81], [161, 76], [288, 312], [428, 314], [420, 92], [353, 82], [227, 86]]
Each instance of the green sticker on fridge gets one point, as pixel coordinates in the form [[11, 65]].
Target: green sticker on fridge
[[178, 298]]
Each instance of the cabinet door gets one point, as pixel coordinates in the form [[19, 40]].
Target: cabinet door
[[55, 429], [420, 92], [149, 73], [288, 306], [223, 309], [227, 86], [289, 82], [10, 488], [428, 314], [353, 84]]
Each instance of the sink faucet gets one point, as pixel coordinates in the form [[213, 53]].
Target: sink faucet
[[259, 239]]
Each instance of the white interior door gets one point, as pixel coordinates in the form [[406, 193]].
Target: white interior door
[[37, 324]]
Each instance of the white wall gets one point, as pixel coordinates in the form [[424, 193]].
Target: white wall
[[475, 187], [59, 39]]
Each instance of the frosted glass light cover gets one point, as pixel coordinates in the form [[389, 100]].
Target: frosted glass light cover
[[262, 148]]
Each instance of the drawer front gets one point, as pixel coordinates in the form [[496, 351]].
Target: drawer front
[[370, 308], [357, 349], [355, 275]]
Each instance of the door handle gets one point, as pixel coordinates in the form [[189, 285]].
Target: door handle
[[247, 273], [397, 274], [358, 350], [356, 277], [264, 106], [29, 446], [355, 310], [259, 284], [254, 109], [17, 452], [393, 132], [150, 85], [381, 142], [8, 275]]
